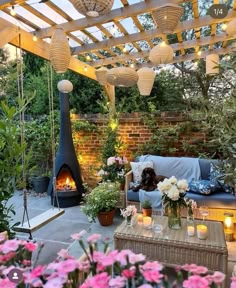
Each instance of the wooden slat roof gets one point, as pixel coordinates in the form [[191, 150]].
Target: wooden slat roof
[[94, 36]]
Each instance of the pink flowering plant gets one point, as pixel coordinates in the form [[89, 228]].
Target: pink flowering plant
[[99, 267], [115, 169], [129, 211]]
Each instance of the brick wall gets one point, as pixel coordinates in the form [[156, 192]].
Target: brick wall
[[133, 132]]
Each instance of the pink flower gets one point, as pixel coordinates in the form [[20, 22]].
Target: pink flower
[[145, 286], [63, 253], [152, 266], [134, 258], [233, 283], [66, 266], [97, 281], [9, 245], [195, 281], [128, 273], [117, 282], [152, 276], [6, 283], [218, 277], [33, 276], [56, 282], [94, 238], [193, 268], [30, 246], [77, 236]]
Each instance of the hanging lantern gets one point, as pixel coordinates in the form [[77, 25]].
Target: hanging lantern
[[161, 54], [167, 17], [212, 64], [59, 51], [101, 75], [65, 86], [146, 77], [122, 77], [92, 8], [231, 28]]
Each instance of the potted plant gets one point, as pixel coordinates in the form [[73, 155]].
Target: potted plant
[[147, 208], [101, 203]]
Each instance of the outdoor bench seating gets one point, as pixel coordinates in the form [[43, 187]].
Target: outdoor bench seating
[[218, 197]]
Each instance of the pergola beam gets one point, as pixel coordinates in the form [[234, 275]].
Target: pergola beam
[[210, 40], [7, 3], [182, 26], [194, 56], [42, 49], [7, 34], [113, 15]]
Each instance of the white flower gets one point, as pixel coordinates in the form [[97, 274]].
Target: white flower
[[111, 160], [182, 185], [164, 186], [173, 193], [173, 180], [130, 210]]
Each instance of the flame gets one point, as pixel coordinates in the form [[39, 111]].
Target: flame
[[67, 181]]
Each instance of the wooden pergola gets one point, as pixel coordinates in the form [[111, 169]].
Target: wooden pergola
[[93, 37]]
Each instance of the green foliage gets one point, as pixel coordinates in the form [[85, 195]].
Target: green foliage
[[11, 168], [146, 204], [38, 138], [102, 198], [86, 126]]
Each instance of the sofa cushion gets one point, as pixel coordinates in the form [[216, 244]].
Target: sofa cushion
[[137, 169], [216, 200], [132, 196], [180, 167], [204, 187]]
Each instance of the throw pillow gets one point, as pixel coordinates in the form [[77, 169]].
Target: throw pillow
[[205, 187], [137, 169], [217, 177]]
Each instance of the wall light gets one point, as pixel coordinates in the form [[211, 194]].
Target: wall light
[[12, 11]]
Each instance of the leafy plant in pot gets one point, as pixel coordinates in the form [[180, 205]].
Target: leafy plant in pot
[[101, 203], [147, 208]]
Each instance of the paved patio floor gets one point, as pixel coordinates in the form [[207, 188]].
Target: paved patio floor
[[56, 234]]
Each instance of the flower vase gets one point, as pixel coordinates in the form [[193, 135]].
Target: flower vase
[[129, 220], [174, 217]]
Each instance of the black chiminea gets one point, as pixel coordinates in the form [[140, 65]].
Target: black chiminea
[[69, 186]]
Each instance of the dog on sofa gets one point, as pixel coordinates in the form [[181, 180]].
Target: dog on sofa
[[149, 180]]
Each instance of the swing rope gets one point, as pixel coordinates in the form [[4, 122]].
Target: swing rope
[[52, 127]]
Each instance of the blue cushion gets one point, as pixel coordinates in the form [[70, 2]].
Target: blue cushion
[[205, 187], [205, 166], [132, 196], [216, 200]]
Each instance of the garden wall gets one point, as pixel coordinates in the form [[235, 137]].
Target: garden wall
[[171, 134]]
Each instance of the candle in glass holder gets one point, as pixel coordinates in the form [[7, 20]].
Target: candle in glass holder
[[147, 222], [202, 231], [140, 219], [190, 230]]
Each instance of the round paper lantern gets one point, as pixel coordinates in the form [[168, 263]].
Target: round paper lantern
[[167, 17], [101, 75], [122, 77], [59, 51], [146, 77], [65, 86], [212, 62], [161, 54], [231, 28], [92, 8]]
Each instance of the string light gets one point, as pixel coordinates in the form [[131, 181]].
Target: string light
[[224, 26], [85, 68], [12, 11], [199, 53], [113, 29], [124, 50], [88, 58], [35, 38], [131, 65]]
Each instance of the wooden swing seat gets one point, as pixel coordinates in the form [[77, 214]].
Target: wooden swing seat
[[39, 220]]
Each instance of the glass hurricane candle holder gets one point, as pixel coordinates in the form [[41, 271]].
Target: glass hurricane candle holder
[[229, 226]]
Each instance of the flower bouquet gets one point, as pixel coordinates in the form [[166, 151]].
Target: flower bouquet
[[173, 199], [128, 213]]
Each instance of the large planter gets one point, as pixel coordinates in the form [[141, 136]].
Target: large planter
[[106, 218], [40, 184], [174, 217]]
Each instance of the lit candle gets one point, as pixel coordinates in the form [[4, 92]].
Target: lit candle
[[147, 221], [190, 230], [140, 219], [202, 232]]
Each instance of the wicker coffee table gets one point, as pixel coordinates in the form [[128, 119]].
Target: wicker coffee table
[[174, 247]]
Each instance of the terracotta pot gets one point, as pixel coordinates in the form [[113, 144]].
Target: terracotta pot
[[106, 218], [147, 212]]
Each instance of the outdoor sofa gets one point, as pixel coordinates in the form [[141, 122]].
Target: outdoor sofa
[[201, 174]]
